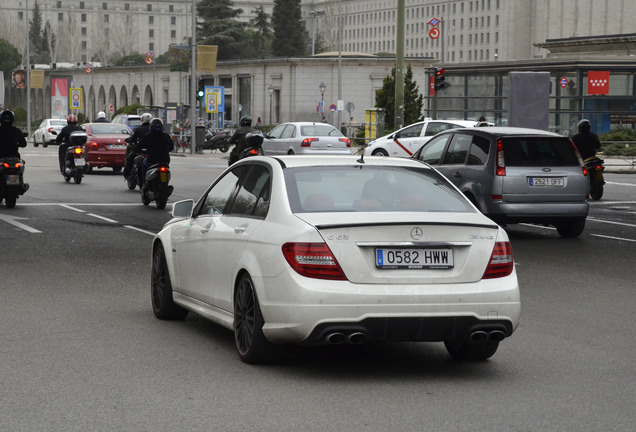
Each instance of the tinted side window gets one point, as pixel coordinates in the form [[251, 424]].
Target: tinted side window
[[217, 198], [432, 151], [435, 128], [458, 149], [479, 151], [253, 195], [539, 151], [411, 131]]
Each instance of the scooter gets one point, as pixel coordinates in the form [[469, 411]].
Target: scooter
[[254, 142], [156, 187], [12, 180], [216, 141], [595, 170], [75, 158]]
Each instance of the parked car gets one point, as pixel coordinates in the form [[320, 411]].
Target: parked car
[[130, 120], [406, 141], [515, 175], [47, 132], [334, 250], [306, 138], [106, 146]]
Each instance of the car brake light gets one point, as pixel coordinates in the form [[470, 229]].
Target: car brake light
[[93, 145], [50, 130], [501, 262], [501, 165], [313, 260], [307, 142], [77, 150], [345, 140]]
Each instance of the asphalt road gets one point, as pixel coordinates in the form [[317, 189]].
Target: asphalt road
[[82, 351]]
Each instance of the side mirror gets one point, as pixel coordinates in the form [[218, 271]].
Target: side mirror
[[183, 209], [397, 135]]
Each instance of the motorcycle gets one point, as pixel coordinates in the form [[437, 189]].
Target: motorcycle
[[12, 180], [215, 141], [254, 147], [595, 170], [75, 158], [156, 187]]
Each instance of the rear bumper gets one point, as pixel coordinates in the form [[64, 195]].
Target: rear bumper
[[303, 310], [102, 159], [505, 212]]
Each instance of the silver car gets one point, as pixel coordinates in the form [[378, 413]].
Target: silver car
[[47, 132], [515, 175], [306, 138]]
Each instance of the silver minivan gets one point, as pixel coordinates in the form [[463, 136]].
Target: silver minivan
[[515, 175]]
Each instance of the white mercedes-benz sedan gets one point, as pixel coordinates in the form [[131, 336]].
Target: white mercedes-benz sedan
[[333, 250]]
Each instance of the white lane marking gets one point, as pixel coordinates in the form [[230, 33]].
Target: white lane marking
[[72, 208], [12, 220], [621, 184], [140, 230], [613, 238], [611, 222], [102, 218]]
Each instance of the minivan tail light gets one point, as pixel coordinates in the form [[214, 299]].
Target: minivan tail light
[[313, 260], [501, 262], [307, 142], [501, 164]]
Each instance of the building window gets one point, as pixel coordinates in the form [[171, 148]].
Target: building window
[[105, 6], [84, 44], [173, 20], [58, 4], [83, 18], [81, 5], [83, 31], [149, 8], [20, 15], [151, 33], [60, 16], [127, 6], [171, 8], [151, 46], [106, 18], [173, 34], [151, 19]]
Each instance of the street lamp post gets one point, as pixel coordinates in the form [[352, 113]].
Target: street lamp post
[[270, 90], [322, 88]]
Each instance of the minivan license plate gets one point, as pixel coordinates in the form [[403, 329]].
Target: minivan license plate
[[414, 258], [546, 181]]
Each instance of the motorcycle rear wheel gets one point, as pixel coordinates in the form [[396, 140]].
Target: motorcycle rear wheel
[[161, 203], [9, 200], [78, 177], [596, 189]]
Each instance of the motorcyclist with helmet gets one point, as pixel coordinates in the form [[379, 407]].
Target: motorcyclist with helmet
[[10, 136], [238, 139], [64, 138], [101, 118], [156, 144], [586, 141], [139, 132]]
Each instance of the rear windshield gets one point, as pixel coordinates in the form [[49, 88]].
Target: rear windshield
[[371, 189], [58, 123], [318, 130], [109, 129], [542, 151], [134, 122]]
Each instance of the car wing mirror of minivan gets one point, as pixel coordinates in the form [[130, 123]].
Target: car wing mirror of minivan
[[183, 209], [397, 135]]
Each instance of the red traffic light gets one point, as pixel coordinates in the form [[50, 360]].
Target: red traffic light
[[439, 71]]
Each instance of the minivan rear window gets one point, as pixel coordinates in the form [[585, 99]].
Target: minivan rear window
[[541, 151]]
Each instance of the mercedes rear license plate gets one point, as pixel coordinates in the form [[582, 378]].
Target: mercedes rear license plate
[[414, 258], [546, 181]]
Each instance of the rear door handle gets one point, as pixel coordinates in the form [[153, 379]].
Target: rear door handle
[[206, 228], [240, 229]]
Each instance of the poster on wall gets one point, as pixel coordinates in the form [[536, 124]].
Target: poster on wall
[[59, 97]]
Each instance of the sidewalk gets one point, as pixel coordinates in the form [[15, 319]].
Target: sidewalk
[[618, 164]]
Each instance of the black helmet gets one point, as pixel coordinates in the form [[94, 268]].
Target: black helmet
[[584, 125], [7, 117], [78, 138], [156, 124], [246, 121], [254, 139]]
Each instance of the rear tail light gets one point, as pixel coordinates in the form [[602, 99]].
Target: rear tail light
[[163, 169], [345, 140], [15, 165], [50, 130], [501, 164], [501, 262], [307, 142], [313, 260], [253, 152], [78, 150], [92, 145]]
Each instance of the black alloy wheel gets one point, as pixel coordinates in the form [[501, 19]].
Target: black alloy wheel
[[251, 344], [163, 304], [379, 152]]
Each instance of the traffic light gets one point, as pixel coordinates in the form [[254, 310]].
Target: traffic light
[[440, 79], [201, 90]]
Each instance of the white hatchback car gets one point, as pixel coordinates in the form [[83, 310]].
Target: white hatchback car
[[337, 249], [406, 141], [47, 132]]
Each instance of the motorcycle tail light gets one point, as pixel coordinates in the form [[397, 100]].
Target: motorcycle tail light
[[307, 142], [253, 152], [8, 165], [77, 150], [163, 169]]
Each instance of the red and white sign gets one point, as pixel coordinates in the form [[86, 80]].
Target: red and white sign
[[111, 108], [431, 89], [598, 82], [149, 60], [434, 21], [88, 70], [434, 33], [563, 82]]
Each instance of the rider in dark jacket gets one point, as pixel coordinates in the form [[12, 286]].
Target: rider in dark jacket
[[64, 138], [587, 142], [10, 136], [139, 132], [238, 139], [156, 144]]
